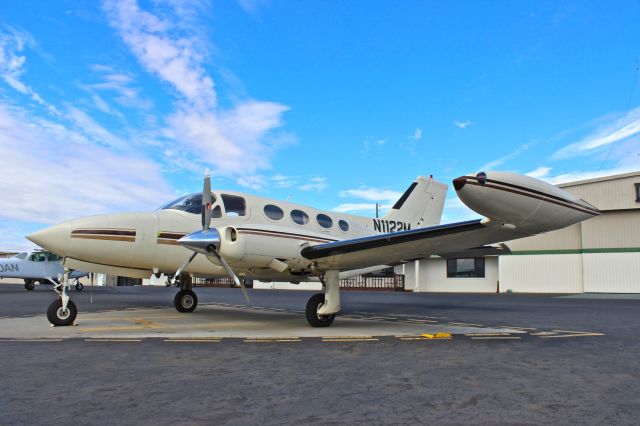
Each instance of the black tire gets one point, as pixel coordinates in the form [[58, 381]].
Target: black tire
[[79, 286], [58, 317], [313, 318], [29, 285], [185, 301]]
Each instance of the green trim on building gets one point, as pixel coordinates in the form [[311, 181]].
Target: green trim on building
[[576, 251]]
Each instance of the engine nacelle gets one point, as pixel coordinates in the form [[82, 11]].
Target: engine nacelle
[[522, 201]]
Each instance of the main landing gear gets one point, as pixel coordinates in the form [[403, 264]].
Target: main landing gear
[[185, 300], [323, 307], [29, 284], [62, 311]]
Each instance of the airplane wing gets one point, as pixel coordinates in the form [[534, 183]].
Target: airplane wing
[[515, 206], [404, 246]]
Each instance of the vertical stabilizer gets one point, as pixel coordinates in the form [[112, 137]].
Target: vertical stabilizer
[[421, 204]]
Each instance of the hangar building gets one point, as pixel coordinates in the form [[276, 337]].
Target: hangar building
[[600, 255]]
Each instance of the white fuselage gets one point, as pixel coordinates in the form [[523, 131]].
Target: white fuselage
[[137, 244]]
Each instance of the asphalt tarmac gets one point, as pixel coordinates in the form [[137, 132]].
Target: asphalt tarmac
[[545, 360]]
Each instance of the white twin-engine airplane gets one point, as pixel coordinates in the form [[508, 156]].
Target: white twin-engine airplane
[[263, 239]]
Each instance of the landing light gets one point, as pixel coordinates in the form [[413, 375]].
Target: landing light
[[482, 178]]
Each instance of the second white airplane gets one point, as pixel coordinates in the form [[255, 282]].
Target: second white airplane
[[263, 239]]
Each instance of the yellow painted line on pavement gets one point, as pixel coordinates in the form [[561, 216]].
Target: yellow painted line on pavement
[[496, 338], [117, 328], [113, 340], [437, 335], [571, 335], [487, 334]]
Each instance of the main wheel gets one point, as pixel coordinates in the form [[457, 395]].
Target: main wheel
[[29, 285], [313, 318], [59, 316], [185, 301], [79, 286]]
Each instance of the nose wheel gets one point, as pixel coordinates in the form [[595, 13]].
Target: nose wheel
[[185, 301], [59, 315]]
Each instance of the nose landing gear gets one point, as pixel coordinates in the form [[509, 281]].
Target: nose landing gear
[[62, 311]]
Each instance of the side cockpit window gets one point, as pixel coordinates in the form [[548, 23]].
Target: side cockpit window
[[191, 203], [234, 205], [37, 257], [22, 256]]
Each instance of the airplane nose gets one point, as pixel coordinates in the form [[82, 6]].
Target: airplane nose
[[54, 238]]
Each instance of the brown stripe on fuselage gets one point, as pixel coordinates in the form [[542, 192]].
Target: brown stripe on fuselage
[[535, 194], [102, 231], [105, 237], [286, 235], [171, 235], [168, 241]]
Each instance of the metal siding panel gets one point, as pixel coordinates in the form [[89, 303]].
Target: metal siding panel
[[568, 238], [614, 194], [549, 273], [612, 229], [433, 278], [612, 272]]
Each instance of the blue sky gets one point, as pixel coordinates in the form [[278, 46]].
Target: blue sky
[[122, 105]]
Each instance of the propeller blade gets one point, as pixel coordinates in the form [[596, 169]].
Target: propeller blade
[[238, 281], [207, 200], [184, 265]]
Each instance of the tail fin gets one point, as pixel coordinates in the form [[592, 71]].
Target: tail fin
[[421, 204]]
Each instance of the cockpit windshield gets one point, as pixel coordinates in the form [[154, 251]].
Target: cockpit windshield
[[191, 203]]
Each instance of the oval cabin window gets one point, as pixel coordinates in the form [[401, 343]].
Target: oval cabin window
[[343, 225], [273, 212], [324, 220], [299, 217]]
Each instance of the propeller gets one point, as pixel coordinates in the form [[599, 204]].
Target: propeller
[[207, 241]]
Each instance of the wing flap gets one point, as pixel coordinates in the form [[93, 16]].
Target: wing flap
[[397, 247]]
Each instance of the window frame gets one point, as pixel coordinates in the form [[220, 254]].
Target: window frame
[[306, 216], [324, 215], [264, 211], [479, 268], [234, 213]]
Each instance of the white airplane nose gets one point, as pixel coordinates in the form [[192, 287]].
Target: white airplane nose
[[54, 238]]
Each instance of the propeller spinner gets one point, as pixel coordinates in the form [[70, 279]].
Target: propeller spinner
[[207, 241]]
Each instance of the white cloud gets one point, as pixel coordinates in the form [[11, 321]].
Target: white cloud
[[255, 182], [495, 163], [371, 194], [609, 133], [95, 131], [281, 181], [576, 175], [316, 184], [236, 141], [12, 61], [55, 174], [462, 124], [417, 135], [540, 172]]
